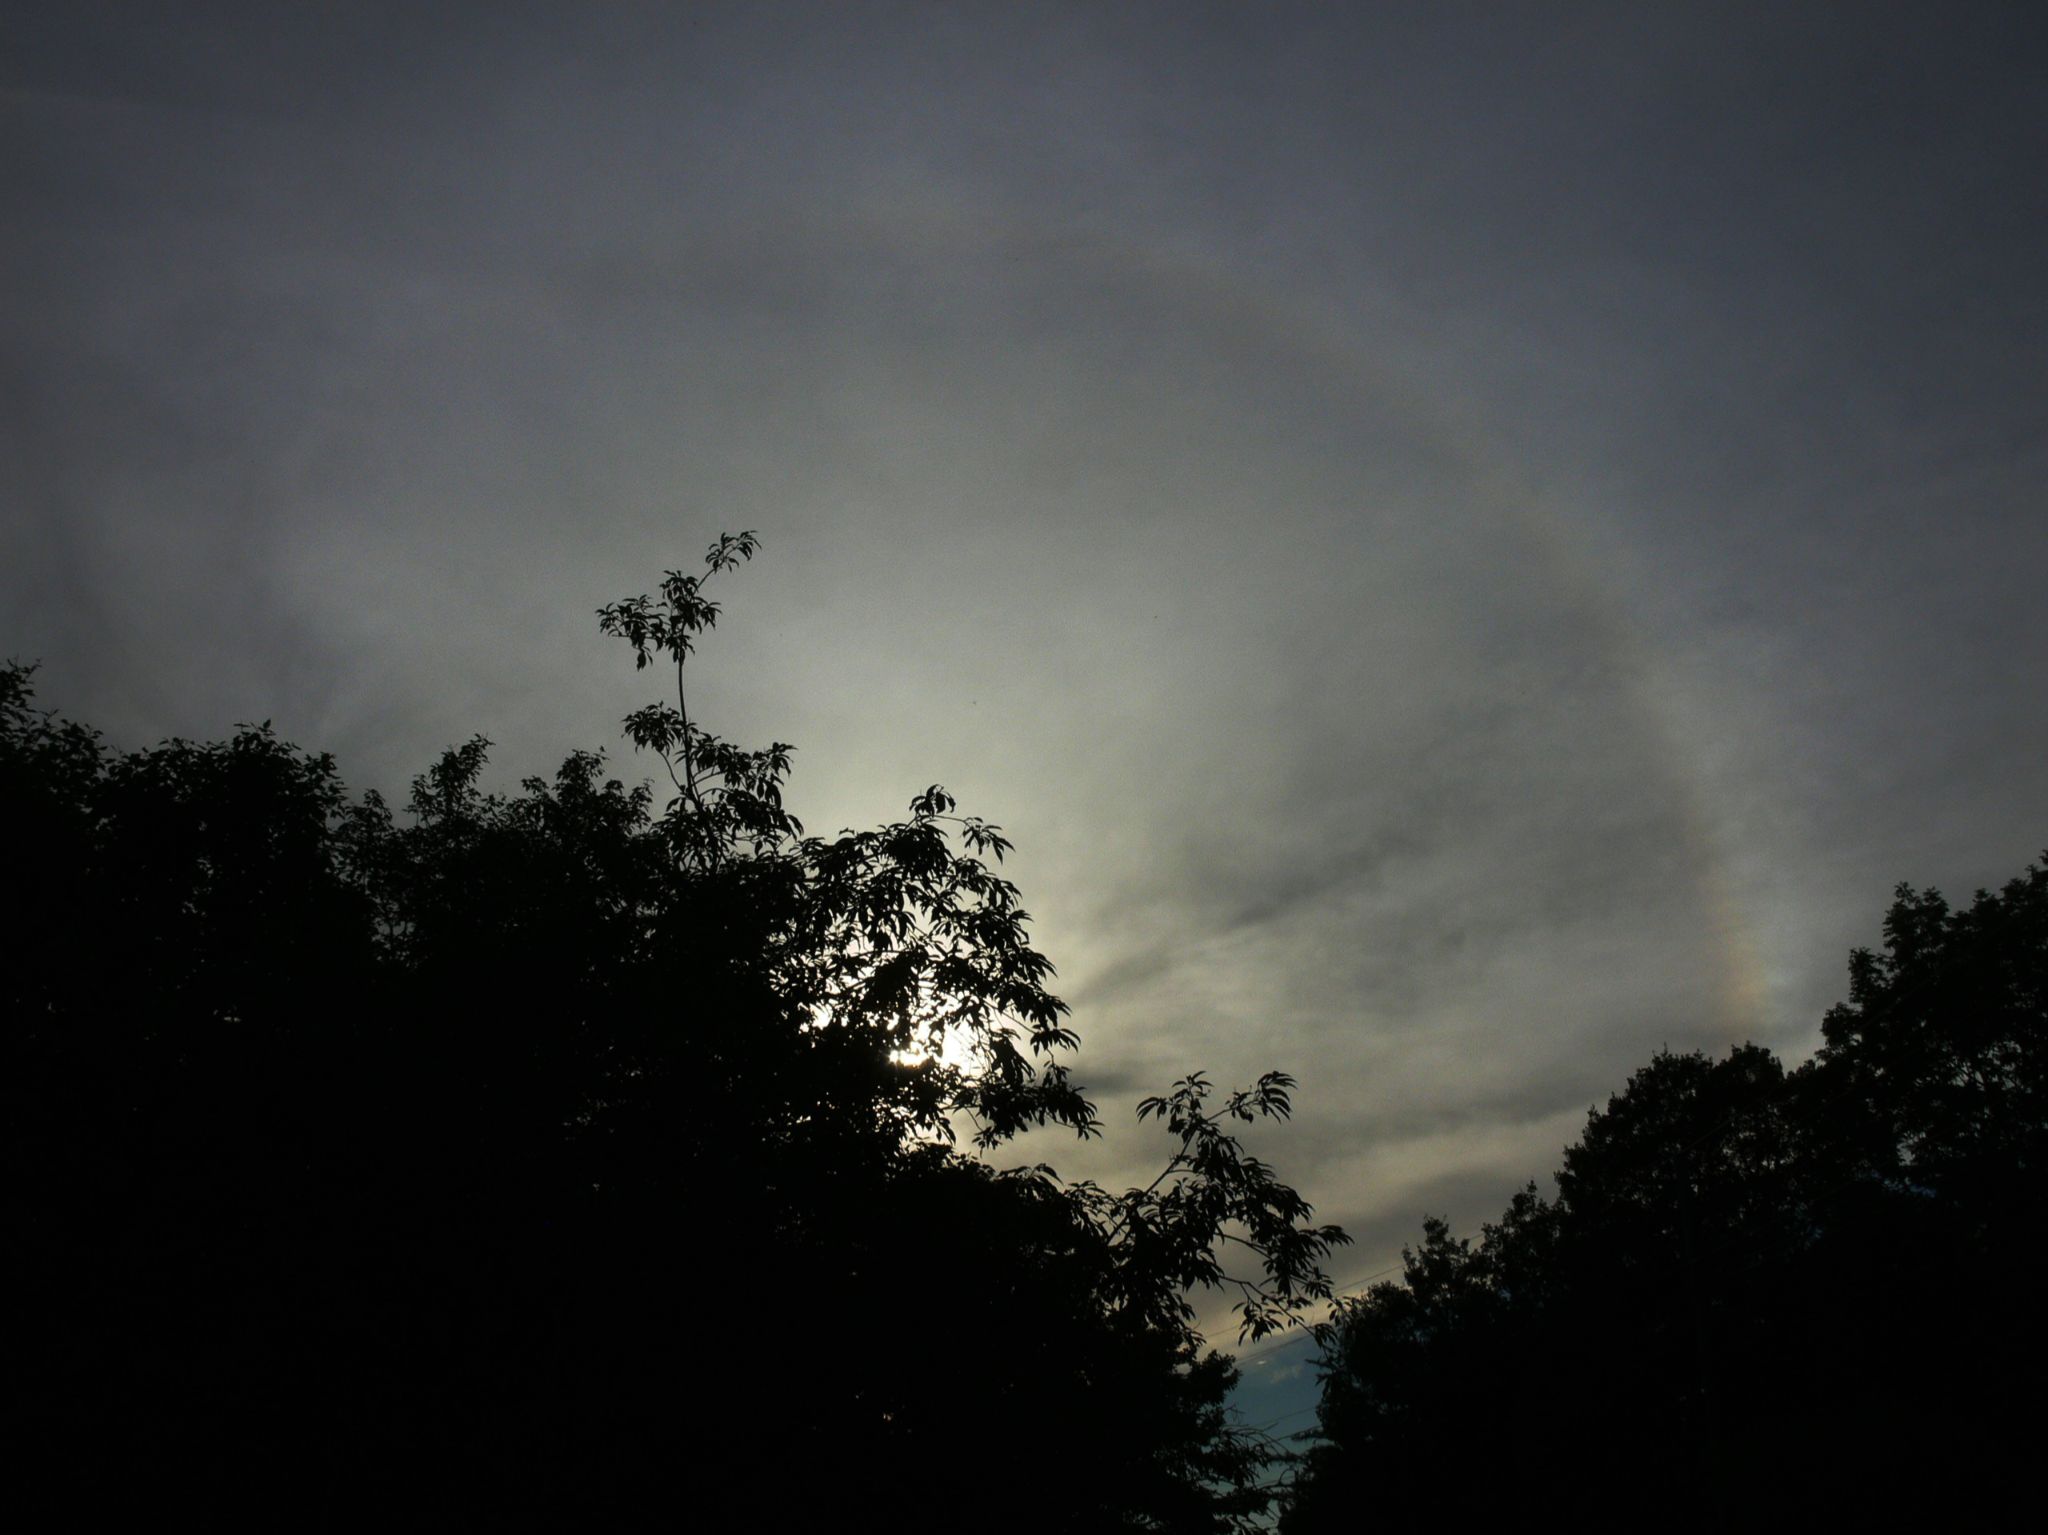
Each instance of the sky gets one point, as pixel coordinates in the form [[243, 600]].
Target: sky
[[1466, 544]]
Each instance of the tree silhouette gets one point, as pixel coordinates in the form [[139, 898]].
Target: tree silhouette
[[1758, 1294], [567, 1151]]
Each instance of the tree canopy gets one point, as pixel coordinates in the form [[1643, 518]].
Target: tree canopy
[[587, 1148], [1758, 1295]]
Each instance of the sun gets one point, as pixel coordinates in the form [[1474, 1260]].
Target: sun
[[955, 1049], [954, 1046]]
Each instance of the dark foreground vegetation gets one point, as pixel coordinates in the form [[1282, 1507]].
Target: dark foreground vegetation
[[1761, 1298], [566, 1156]]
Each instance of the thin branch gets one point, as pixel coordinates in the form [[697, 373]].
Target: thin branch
[[689, 784]]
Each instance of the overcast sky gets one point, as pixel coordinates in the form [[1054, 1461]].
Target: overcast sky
[[1464, 543]]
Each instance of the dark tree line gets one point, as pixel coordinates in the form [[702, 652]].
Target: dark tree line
[[1760, 1296], [583, 1153]]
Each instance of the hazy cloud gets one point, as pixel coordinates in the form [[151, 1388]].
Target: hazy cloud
[[1464, 544]]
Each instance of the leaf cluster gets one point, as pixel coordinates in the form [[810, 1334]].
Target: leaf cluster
[[1211, 1198]]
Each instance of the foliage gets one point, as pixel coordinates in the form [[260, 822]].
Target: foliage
[[1795, 1294], [559, 1149], [1939, 1054]]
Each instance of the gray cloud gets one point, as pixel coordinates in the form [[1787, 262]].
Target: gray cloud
[[1464, 545]]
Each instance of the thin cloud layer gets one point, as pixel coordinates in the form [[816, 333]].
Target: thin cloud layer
[[1463, 547]]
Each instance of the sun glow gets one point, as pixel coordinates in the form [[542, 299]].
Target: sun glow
[[955, 1048], [952, 1046]]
